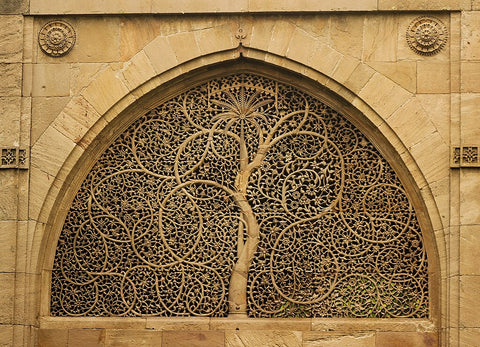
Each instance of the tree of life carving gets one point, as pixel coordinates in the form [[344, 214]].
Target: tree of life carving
[[242, 196]]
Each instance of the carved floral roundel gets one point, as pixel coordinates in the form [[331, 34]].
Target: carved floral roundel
[[241, 195]]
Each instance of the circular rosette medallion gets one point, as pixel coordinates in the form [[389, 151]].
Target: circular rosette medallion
[[427, 35], [56, 38]]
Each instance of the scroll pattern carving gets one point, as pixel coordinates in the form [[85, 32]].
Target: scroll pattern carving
[[242, 195]]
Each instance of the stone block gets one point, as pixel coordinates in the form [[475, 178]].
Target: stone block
[[11, 38], [359, 78], [51, 80], [263, 338], [193, 339], [344, 69], [433, 77], [402, 72], [10, 112], [346, 34], [469, 303], [325, 339], [97, 39], [280, 37], [469, 337], [297, 47], [328, 5], [469, 197], [86, 337], [218, 38], [470, 129], [380, 38], [107, 89], [469, 241], [405, 53], [11, 79], [244, 324], [184, 46], [8, 192], [161, 54], [404, 339], [411, 123], [437, 107], [44, 111], [184, 323], [76, 119], [261, 34], [50, 151], [14, 6], [325, 59], [6, 335], [383, 95], [127, 338], [82, 74], [136, 33], [7, 292], [470, 77], [8, 245], [432, 155], [470, 49], [138, 71], [418, 5], [52, 337]]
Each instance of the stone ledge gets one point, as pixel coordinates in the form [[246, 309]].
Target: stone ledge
[[206, 323], [45, 7]]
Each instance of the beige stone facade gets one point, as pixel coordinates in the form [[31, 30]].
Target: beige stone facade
[[60, 111]]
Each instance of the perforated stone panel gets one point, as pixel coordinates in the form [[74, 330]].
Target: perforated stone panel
[[241, 195]]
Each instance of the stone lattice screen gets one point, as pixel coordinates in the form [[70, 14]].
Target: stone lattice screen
[[241, 195]]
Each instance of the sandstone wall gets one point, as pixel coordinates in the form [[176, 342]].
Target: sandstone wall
[[54, 108]]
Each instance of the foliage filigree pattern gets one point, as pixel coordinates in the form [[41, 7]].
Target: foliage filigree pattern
[[242, 195]]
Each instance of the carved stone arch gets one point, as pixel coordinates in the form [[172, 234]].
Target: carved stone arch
[[301, 86]]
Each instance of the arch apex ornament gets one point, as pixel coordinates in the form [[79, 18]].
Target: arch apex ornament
[[427, 35], [242, 195], [56, 38]]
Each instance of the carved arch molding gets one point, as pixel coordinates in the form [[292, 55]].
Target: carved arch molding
[[241, 195]]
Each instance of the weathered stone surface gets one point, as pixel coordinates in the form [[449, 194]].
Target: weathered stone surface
[[470, 79], [11, 38], [325, 339], [470, 49], [127, 338], [106, 90], [52, 337], [470, 131], [346, 34], [263, 338], [469, 198], [86, 337], [161, 54], [410, 339], [260, 324], [51, 80], [185, 323], [469, 337], [14, 6], [11, 79], [193, 339], [8, 192], [433, 77], [418, 5], [7, 290], [380, 38], [6, 335], [44, 111], [8, 244], [10, 111], [469, 259]]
